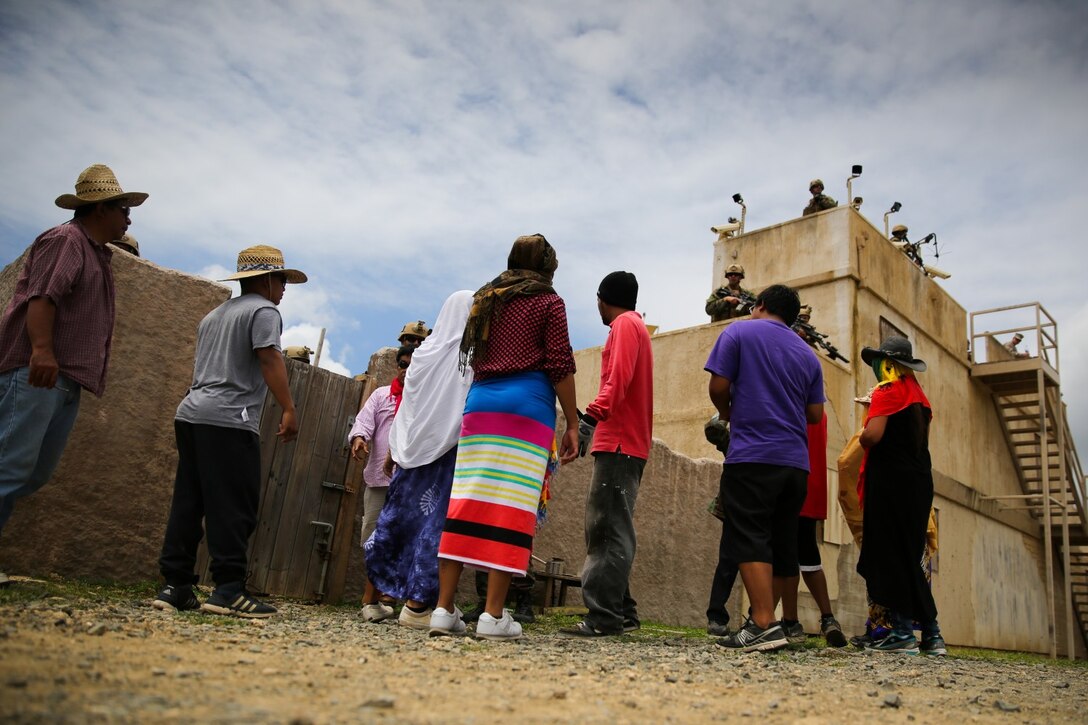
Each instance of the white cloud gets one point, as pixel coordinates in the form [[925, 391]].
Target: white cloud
[[310, 336], [394, 150]]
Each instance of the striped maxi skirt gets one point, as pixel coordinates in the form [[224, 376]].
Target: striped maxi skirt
[[502, 455]]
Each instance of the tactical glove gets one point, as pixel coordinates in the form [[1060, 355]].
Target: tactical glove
[[587, 424]]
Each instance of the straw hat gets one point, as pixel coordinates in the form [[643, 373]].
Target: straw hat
[[262, 259], [96, 184], [895, 348]]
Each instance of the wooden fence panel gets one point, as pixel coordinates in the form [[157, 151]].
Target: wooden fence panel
[[288, 554]]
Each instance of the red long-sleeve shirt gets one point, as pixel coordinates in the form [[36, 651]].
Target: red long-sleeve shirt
[[624, 406]]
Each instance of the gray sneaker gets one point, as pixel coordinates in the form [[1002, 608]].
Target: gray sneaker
[[715, 629], [795, 632], [832, 632], [753, 638]]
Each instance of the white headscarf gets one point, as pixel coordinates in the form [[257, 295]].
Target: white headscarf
[[428, 422]]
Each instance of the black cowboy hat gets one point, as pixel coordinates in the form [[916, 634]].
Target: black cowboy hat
[[895, 348]]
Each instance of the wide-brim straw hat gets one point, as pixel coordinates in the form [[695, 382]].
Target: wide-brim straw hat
[[97, 184], [262, 259], [895, 348]]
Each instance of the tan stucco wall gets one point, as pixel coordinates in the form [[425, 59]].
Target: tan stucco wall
[[103, 514], [677, 537]]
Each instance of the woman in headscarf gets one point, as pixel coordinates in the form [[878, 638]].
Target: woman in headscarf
[[896, 492], [517, 343], [401, 554]]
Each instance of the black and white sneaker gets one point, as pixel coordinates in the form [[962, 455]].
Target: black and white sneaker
[[179, 598], [753, 638], [240, 604], [585, 630]]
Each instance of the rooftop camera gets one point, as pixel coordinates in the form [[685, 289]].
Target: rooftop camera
[[743, 210], [896, 206], [855, 172]]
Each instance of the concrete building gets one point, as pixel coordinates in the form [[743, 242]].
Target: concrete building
[[991, 581]]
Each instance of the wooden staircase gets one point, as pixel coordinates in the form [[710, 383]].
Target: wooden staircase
[[1027, 396]]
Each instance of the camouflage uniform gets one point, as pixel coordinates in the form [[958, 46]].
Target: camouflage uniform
[[719, 309], [819, 202]]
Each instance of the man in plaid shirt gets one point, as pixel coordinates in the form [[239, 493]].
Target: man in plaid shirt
[[55, 334]]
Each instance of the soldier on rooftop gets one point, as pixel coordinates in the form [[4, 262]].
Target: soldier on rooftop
[[820, 200]]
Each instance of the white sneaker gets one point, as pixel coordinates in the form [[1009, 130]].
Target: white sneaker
[[376, 612], [445, 623], [498, 629], [415, 620]]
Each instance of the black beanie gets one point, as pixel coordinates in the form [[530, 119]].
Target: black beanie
[[619, 289]]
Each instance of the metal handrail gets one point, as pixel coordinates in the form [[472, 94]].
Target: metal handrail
[[1044, 330]]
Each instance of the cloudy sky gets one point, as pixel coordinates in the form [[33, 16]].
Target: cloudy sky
[[393, 150]]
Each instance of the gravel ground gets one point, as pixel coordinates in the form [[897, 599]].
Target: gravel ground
[[78, 657]]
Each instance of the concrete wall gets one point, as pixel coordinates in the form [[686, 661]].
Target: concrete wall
[[677, 537], [104, 512]]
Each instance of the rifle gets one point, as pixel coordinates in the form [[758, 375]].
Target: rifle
[[747, 302], [819, 338]]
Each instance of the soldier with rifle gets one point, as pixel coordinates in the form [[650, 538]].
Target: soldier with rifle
[[812, 336], [731, 300]]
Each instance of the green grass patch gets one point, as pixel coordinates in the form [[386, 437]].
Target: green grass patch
[[75, 591], [1006, 656]]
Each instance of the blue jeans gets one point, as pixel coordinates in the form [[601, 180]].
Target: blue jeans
[[610, 540], [34, 428]]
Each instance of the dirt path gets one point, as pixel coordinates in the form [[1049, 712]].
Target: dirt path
[[74, 659]]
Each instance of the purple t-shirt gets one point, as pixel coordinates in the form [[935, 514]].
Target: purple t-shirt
[[773, 376]]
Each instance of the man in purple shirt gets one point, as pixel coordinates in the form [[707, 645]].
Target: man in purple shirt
[[55, 334], [767, 383]]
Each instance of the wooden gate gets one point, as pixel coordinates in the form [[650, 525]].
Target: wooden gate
[[304, 499]]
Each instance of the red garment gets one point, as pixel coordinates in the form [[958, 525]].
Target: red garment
[[888, 399], [75, 273], [816, 499], [528, 333], [396, 392], [624, 406]]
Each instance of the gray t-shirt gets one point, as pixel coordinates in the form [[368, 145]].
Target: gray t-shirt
[[228, 389]]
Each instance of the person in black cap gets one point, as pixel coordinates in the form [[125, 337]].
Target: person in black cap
[[896, 490], [616, 428]]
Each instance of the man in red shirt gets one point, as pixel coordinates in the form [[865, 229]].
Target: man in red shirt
[[616, 429], [55, 334]]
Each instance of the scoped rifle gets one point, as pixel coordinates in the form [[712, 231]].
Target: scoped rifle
[[747, 302], [819, 339]]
